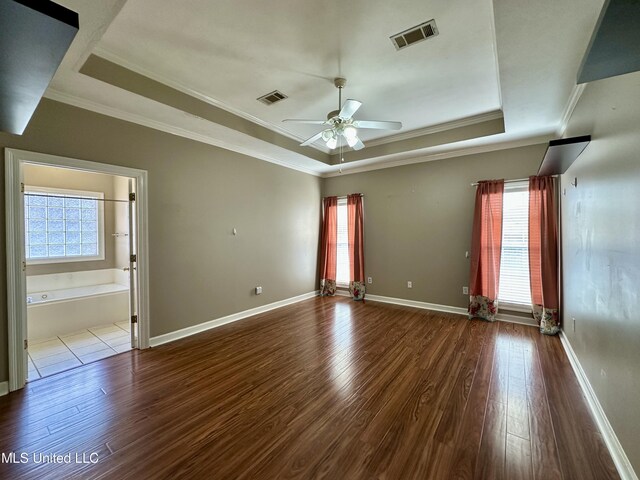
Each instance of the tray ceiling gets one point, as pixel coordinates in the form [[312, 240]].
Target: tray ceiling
[[491, 78]]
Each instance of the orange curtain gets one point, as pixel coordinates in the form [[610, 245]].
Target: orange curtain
[[328, 246], [486, 247], [355, 229], [543, 253]]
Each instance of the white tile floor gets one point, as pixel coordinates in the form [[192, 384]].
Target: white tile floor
[[56, 354]]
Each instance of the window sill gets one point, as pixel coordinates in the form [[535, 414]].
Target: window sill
[[49, 261]]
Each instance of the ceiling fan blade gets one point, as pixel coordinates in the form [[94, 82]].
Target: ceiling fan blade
[[349, 108], [359, 145], [312, 122], [377, 124], [309, 141]]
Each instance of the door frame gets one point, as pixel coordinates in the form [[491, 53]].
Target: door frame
[[16, 274]]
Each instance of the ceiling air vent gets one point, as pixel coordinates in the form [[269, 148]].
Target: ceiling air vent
[[414, 35], [272, 97]]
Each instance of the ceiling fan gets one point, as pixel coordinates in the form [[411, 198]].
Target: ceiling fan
[[341, 124]]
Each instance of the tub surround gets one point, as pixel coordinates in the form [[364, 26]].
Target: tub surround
[[61, 303], [71, 294], [61, 281]]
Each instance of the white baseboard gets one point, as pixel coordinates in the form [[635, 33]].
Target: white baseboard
[[186, 332], [615, 449], [503, 317], [416, 304], [4, 388]]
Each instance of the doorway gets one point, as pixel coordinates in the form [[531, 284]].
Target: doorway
[[76, 263]]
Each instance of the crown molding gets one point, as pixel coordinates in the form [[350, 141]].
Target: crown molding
[[118, 60], [419, 132], [96, 107], [572, 102], [441, 127], [458, 152], [80, 102]]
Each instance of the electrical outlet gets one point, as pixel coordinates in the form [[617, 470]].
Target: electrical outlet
[[465, 290], [258, 290], [574, 323], [369, 280], [466, 254], [409, 284]]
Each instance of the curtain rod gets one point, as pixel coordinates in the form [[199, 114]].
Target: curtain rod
[[475, 184], [74, 198], [341, 196]]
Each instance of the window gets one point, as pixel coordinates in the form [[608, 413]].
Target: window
[[515, 288], [342, 255], [63, 225]]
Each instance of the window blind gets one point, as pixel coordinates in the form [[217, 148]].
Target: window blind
[[514, 260], [342, 267]]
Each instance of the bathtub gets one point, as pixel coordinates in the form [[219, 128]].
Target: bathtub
[[71, 306]]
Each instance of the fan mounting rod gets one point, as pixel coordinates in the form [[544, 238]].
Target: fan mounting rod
[[340, 83]]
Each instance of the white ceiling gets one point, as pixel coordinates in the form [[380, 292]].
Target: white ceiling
[[235, 51], [518, 55]]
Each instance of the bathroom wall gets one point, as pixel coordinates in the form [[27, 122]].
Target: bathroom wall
[[121, 227], [44, 176]]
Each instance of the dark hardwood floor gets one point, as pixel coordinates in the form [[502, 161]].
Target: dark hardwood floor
[[326, 388]]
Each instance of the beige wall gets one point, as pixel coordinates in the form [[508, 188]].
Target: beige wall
[[197, 195], [418, 220], [418, 227], [601, 251], [42, 176]]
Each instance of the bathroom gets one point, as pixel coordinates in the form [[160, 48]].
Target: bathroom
[[77, 249]]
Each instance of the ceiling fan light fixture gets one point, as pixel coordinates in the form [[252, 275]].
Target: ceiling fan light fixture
[[328, 134], [350, 132], [341, 123]]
